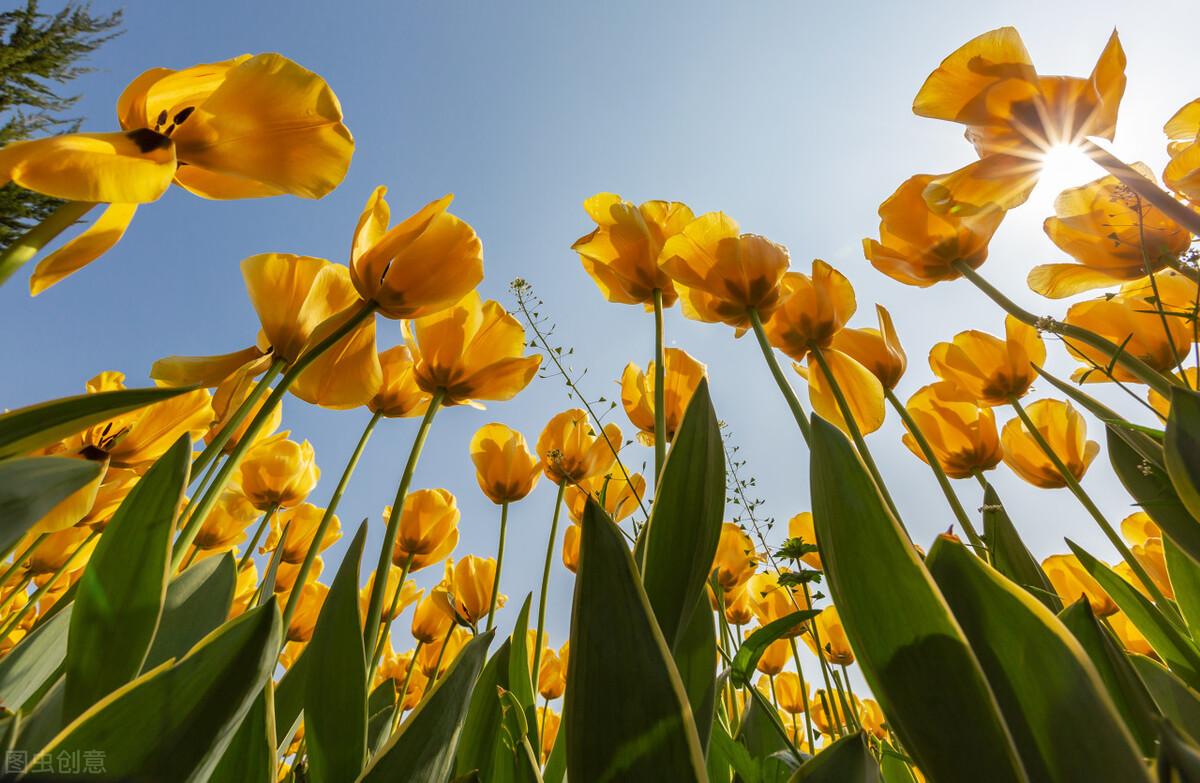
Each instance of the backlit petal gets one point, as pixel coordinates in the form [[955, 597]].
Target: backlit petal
[[94, 242]]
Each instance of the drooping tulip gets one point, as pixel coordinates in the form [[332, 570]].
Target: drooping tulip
[[962, 435], [571, 451], [1064, 429], [990, 370], [466, 590], [428, 529], [682, 375], [301, 522], [774, 657], [1182, 173], [504, 467], [430, 621], [279, 472], [1071, 581], [399, 396], [835, 647], [736, 558]]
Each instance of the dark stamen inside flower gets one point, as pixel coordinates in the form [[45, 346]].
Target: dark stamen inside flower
[[162, 118], [148, 140], [183, 115]]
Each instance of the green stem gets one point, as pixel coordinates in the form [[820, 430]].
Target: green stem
[[258, 531], [191, 557], [849, 718], [201, 488], [850, 692], [762, 702], [437, 666], [412, 665], [23, 249], [789, 394], [314, 547], [188, 534], [541, 623], [956, 506], [1144, 187], [383, 637], [21, 558], [19, 588], [1144, 372], [774, 695], [16, 619], [499, 564], [660, 392], [214, 448], [375, 607]]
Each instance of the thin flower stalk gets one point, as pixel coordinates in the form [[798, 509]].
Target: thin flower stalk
[[540, 635], [789, 394], [213, 449], [660, 393], [46, 586], [254, 539], [499, 565], [383, 637]]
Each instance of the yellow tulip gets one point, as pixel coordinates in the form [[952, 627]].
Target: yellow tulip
[[229, 396], [308, 608], [772, 600], [286, 574], [571, 451], [990, 370], [835, 647], [822, 720], [430, 622], [69, 546], [1150, 556], [870, 716], [552, 675], [919, 247], [621, 497], [428, 657], [74, 508], [790, 693], [244, 590], [682, 375], [570, 549], [878, 350], [428, 529], [419, 266], [1129, 635], [1113, 235], [466, 590], [549, 721], [622, 254], [416, 682], [399, 396], [1138, 528], [812, 310], [225, 526], [721, 274], [962, 435], [1182, 173], [1071, 581], [775, 657], [1189, 376], [736, 558], [504, 467], [302, 522], [279, 472], [471, 351], [738, 609], [802, 527], [409, 594], [117, 484], [1064, 429]]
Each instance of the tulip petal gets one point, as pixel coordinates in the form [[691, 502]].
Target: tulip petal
[[279, 286], [158, 95], [201, 370], [1058, 281], [958, 90], [221, 187], [94, 242], [346, 375], [372, 224], [861, 388], [129, 168], [504, 379]]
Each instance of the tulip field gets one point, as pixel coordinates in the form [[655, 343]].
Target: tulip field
[[171, 608]]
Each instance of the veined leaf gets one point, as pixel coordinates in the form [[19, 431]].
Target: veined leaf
[[846, 761], [746, 660], [1064, 725], [197, 602], [906, 640], [33, 662], [120, 595], [1182, 448], [30, 487], [1009, 555], [1178, 703], [626, 713], [251, 753], [1151, 487]]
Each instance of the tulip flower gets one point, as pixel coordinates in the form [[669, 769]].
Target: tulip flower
[[504, 467], [722, 275], [225, 526], [621, 497], [790, 692], [411, 685], [1152, 557], [244, 590], [431, 622], [399, 396], [1113, 235], [471, 351], [552, 676], [834, 645], [304, 621], [920, 247], [822, 720], [71, 510], [1189, 377], [1130, 637], [570, 548], [987, 369], [1182, 173], [249, 127], [736, 559], [287, 574], [802, 527], [571, 451], [116, 486], [878, 350], [227, 399], [466, 590], [549, 721], [1138, 528], [278, 472], [962, 436], [772, 600], [870, 717], [69, 548], [409, 593], [774, 657], [302, 523], [622, 254], [435, 658], [683, 374], [428, 529], [738, 608], [418, 267], [1064, 429], [1071, 581]]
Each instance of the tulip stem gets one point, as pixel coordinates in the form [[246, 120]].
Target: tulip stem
[[437, 666], [849, 719], [391, 613], [258, 531], [1144, 372], [375, 607], [307, 357], [214, 447], [17, 589], [789, 394], [541, 623], [499, 563], [762, 702], [853, 428], [931, 458], [314, 546], [660, 392], [46, 586], [1143, 187], [1116, 540], [24, 248], [408, 673], [201, 488], [824, 664], [22, 557]]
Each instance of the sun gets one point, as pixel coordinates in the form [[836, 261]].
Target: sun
[[1063, 166]]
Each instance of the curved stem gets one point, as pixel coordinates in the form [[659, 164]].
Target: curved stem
[[499, 564], [789, 394], [812, 625], [541, 623], [258, 531], [214, 447], [375, 607], [956, 506], [848, 716], [24, 248], [314, 547], [1143, 187], [383, 637], [660, 380]]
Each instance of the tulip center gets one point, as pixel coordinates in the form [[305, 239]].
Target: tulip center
[[179, 118]]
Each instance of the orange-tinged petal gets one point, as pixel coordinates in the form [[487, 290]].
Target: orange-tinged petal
[[94, 242], [279, 286], [1058, 281], [125, 168], [862, 390], [994, 182], [964, 86], [372, 223], [221, 187], [202, 370], [346, 375]]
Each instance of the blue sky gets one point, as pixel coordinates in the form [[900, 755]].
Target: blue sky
[[793, 118]]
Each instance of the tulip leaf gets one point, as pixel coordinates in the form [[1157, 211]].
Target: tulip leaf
[[175, 722], [1184, 574], [480, 745], [696, 659], [520, 675], [893, 766], [555, 770], [1053, 701], [1182, 447], [1124, 687], [760, 730], [381, 707], [731, 754], [626, 713], [118, 605], [1164, 636], [27, 429], [1010, 556], [335, 702], [423, 747], [289, 698], [848, 760], [1178, 760], [30, 487], [1151, 487], [251, 752], [1177, 702], [33, 662], [746, 660], [907, 642], [197, 602]]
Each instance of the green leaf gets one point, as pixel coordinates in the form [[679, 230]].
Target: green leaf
[[197, 603], [1009, 555], [906, 640], [848, 760], [746, 660], [626, 713], [33, 427], [520, 676], [1152, 489], [381, 707], [760, 730], [335, 701], [555, 770], [1163, 635], [121, 592], [696, 659], [894, 767], [1124, 686], [1053, 701], [732, 755], [1178, 703], [251, 753], [1184, 573], [289, 699], [1182, 448], [33, 662], [423, 747], [1178, 761], [30, 487], [175, 722], [477, 746]]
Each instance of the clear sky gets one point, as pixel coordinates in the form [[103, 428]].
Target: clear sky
[[792, 117]]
